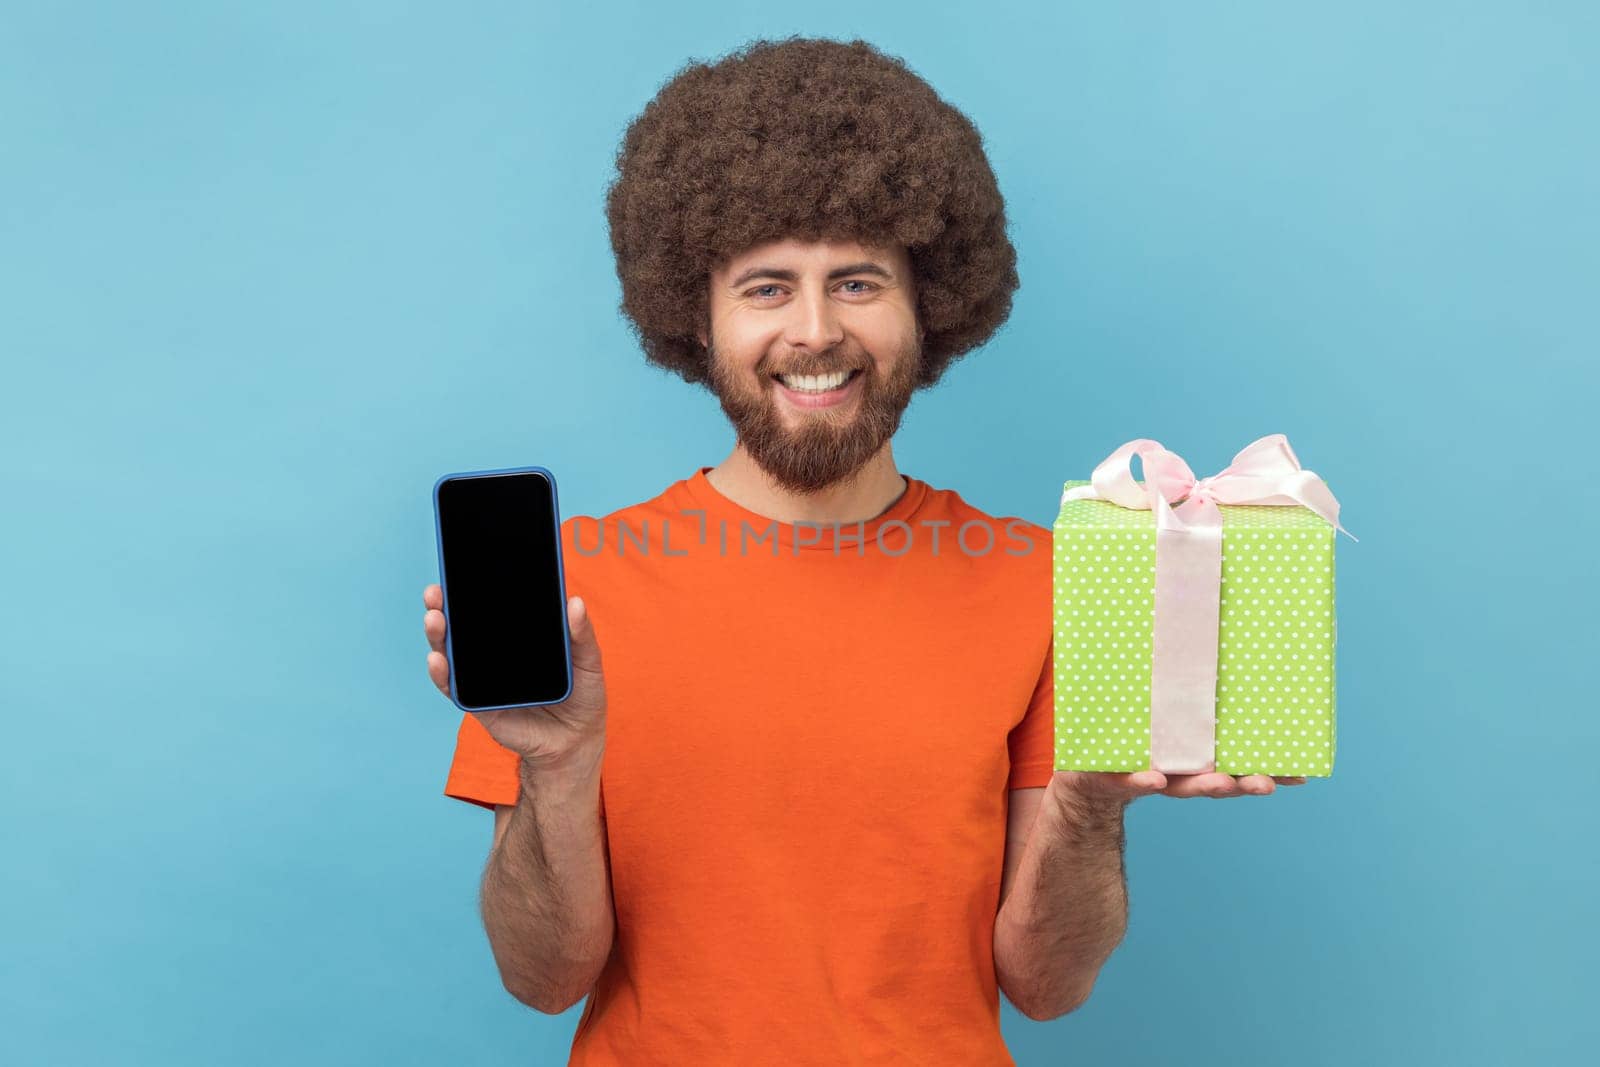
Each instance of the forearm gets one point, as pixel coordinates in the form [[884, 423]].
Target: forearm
[[1068, 907], [546, 894]]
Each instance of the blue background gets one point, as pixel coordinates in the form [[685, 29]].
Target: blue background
[[266, 272]]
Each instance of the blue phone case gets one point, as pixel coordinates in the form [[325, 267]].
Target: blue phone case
[[561, 577]]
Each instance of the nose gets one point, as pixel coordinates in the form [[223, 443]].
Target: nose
[[814, 322]]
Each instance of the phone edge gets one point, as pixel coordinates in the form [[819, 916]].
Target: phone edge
[[561, 579]]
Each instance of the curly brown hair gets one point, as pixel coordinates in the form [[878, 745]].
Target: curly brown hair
[[813, 139]]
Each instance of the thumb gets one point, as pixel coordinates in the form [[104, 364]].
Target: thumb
[[1108, 786], [585, 649]]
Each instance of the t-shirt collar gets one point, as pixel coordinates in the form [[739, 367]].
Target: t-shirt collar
[[718, 507]]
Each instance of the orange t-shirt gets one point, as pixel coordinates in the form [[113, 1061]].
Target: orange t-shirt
[[810, 735]]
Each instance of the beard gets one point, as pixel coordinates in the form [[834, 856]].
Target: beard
[[827, 445]]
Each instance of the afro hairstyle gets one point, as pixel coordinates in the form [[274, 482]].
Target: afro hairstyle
[[813, 139]]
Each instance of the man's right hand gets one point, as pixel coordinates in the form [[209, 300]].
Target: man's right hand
[[546, 734]]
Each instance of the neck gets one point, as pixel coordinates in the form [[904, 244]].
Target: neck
[[866, 494]]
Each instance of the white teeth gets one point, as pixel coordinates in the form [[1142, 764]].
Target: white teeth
[[813, 383]]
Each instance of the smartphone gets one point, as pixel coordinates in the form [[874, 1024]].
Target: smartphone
[[505, 594]]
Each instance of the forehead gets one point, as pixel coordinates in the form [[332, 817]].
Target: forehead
[[797, 254]]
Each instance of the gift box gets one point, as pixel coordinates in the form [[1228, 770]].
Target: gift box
[[1194, 618]]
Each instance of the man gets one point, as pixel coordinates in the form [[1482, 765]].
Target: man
[[828, 830]]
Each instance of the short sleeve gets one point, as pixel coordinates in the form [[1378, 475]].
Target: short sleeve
[[1032, 741], [483, 771]]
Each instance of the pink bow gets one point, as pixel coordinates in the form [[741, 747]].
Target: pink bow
[[1188, 578], [1266, 471]]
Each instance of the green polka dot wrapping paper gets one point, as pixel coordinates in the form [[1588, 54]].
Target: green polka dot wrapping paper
[[1275, 639]]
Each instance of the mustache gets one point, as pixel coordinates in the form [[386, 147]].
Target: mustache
[[813, 370]]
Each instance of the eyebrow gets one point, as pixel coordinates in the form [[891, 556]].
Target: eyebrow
[[791, 276]]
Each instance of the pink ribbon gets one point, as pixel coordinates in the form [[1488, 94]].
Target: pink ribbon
[[1188, 583]]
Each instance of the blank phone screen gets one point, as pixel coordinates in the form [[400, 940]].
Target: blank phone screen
[[505, 613]]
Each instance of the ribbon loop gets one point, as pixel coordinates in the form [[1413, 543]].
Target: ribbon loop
[[1266, 471]]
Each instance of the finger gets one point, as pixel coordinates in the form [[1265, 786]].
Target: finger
[[585, 648], [1183, 786], [433, 626], [1230, 787], [1297, 779], [1256, 784], [439, 671], [433, 596], [1147, 782], [1202, 785], [1117, 786], [1128, 787]]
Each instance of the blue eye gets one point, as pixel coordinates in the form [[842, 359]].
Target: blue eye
[[760, 290]]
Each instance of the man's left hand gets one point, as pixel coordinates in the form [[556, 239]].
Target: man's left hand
[[1103, 786]]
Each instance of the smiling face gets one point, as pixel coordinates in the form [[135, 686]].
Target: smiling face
[[814, 349]]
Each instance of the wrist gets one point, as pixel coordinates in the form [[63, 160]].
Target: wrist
[[574, 766]]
